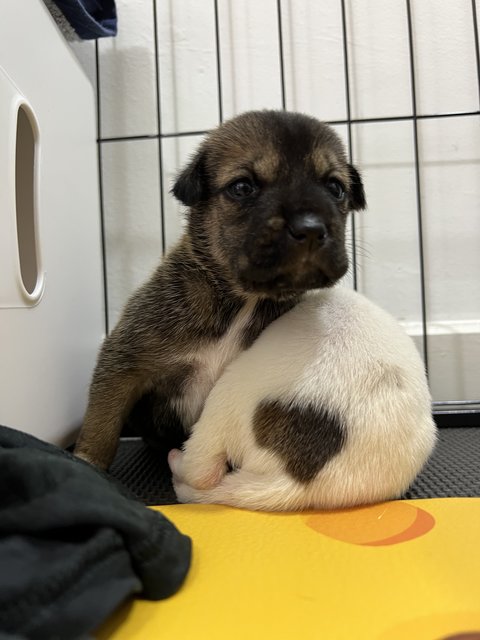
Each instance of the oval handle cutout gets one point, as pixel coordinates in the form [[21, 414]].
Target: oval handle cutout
[[25, 199]]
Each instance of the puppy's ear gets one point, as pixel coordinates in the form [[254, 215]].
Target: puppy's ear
[[191, 187], [357, 193]]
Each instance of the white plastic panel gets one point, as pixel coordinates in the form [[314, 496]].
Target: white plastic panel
[[387, 233], [443, 85], [128, 60], [22, 281], [378, 54], [450, 175], [250, 56], [188, 73], [131, 190], [49, 337], [314, 59]]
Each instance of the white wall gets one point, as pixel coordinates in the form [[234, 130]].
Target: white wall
[[380, 86]]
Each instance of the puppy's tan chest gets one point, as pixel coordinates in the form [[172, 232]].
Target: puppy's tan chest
[[209, 362]]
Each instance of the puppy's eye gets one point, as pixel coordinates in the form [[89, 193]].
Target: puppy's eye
[[241, 189], [336, 188]]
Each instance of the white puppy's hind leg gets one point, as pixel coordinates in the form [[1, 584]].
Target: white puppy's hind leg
[[203, 462], [203, 474], [247, 490]]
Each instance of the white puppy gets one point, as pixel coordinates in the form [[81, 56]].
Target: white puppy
[[328, 408]]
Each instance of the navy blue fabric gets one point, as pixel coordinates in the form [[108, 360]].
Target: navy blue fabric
[[90, 18]]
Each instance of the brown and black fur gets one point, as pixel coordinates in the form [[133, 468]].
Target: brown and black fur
[[239, 248]]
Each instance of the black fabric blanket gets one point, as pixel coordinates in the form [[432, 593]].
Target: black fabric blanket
[[73, 545]]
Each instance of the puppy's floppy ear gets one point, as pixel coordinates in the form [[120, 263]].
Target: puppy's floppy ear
[[191, 187], [357, 194]]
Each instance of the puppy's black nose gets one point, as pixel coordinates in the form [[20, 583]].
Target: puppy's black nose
[[307, 227]]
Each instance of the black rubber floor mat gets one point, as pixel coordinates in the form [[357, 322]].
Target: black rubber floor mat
[[453, 470], [144, 472]]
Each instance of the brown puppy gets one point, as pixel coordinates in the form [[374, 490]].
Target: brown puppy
[[268, 195]]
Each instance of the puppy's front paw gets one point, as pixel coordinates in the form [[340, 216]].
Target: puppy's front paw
[[87, 458]]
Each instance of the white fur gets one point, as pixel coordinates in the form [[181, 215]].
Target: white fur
[[209, 363], [334, 350]]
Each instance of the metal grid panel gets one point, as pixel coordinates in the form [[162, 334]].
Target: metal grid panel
[[454, 407]]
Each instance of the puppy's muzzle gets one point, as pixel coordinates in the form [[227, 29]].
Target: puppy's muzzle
[[299, 252]]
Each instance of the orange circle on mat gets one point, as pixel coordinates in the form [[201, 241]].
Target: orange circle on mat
[[375, 525]]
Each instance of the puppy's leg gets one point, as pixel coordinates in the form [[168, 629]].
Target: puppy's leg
[[112, 395], [203, 461], [202, 475]]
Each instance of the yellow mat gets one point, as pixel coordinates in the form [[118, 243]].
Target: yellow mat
[[406, 570]]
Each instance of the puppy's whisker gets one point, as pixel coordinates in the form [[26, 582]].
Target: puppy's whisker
[[360, 250]]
